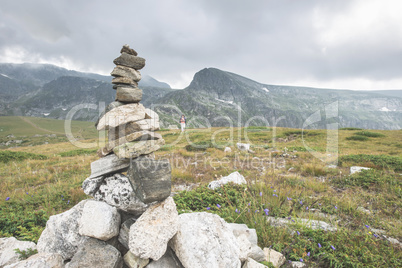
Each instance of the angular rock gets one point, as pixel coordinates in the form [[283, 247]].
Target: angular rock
[[126, 48], [133, 85], [257, 253], [110, 107], [95, 253], [242, 229], [243, 146], [122, 115], [228, 150], [117, 191], [205, 240], [91, 185], [275, 257], [123, 80], [7, 249], [40, 260], [61, 233], [151, 179], [169, 260], [250, 263], [130, 61], [356, 169], [99, 220], [142, 135], [234, 177], [150, 234], [244, 246], [107, 165], [128, 94], [123, 71], [149, 114], [102, 152], [137, 148], [297, 264], [312, 224], [114, 242], [125, 231], [134, 262], [132, 127]]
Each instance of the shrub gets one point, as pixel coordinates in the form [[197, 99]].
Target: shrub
[[369, 134], [198, 146], [7, 156], [357, 138]]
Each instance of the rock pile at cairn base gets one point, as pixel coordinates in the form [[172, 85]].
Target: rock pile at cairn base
[[132, 220]]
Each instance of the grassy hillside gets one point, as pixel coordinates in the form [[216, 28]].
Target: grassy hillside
[[284, 180]]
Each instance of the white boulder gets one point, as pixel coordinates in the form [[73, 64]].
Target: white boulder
[[234, 177]]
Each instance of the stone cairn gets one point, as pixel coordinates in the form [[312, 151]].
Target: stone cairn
[[132, 220]]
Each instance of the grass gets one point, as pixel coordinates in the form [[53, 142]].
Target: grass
[[8, 156], [296, 185]]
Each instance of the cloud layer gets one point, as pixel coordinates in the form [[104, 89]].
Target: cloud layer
[[354, 44]]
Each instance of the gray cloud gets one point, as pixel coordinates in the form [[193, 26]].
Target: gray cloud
[[320, 43]]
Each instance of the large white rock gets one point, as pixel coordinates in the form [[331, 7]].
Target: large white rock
[[244, 246], [243, 146], [95, 253], [205, 240], [356, 169], [122, 115], [41, 260], [61, 233], [117, 191], [297, 264], [250, 263], [275, 257], [240, 229], [150, 234], [7, 249], [169, 260], [234, 177], [99, 220]]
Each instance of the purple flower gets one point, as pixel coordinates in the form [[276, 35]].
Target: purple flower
[[319, 245], [249, 204], [68, 202], [237, 211], [256, 211], [306, 208], [298, 233], [27, 193], [301, 259], [289, 198], [275, 195], [367, 226], [266, 211], [319, 204], [336, 207], [274, 191], [308, 254], [289, 218], [301, 202], [219, 206], [332, 247], [375, 235], [208, 208], [272, 187], [260, 193], [8, 198]]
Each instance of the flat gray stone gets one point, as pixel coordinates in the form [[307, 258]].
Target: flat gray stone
[[123, 71], [107, 165], [169, 260], [132, 127], [122, 115], [142, 135], [128, 94], [124, 81], [111, 106], [151, 179], [130, 61], [135, 149], [95, 253]]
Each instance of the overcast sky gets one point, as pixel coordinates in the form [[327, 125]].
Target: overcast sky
[[348, 44]]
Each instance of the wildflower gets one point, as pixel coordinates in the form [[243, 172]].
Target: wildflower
[[27, 193], [319, 245], [272, 187], [208, 208], [256, 211], [298, 233], [219, 206], [367, 226], [332, 247], [8, 198], [301, 202], [237, 211], [266, 211], [249, 204], [375, 235], [289, 198], [306, 208], [319, 204], [370, 232], [275, 195], [274, 191], [260, 193], [336, 207], [301, 259], [289, 218], [68, 202], [308, 254]]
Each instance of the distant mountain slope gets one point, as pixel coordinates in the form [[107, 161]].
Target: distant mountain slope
[[223, 98]]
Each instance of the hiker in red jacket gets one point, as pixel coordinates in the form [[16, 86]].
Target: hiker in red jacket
[[183, 122]]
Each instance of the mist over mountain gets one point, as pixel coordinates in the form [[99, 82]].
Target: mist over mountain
[[213, 98]]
